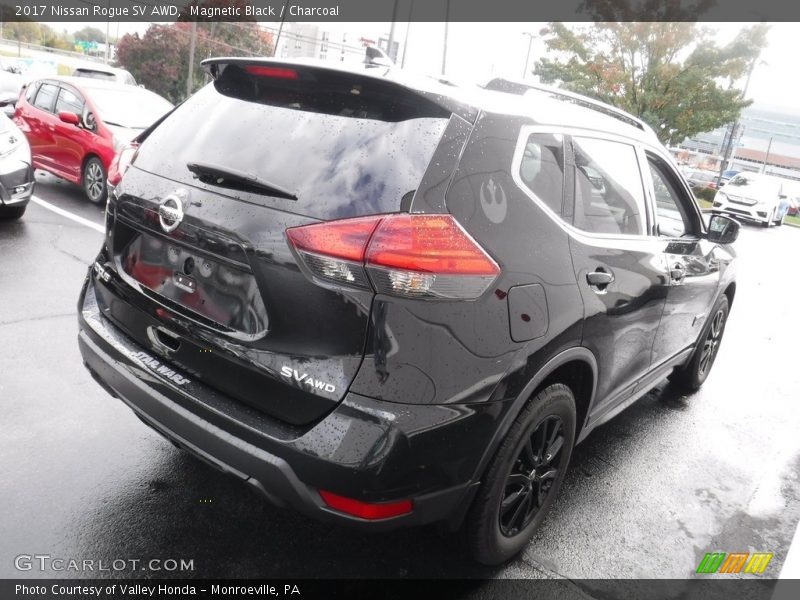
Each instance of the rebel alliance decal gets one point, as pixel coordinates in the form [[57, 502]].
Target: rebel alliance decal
[[295, 375]]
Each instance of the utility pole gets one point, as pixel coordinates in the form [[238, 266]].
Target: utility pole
[[446, 30], [408, 29], [528, 55], [728, 146], [391, 33], [108, 24], [190, 74], [280, 29], [766, 156]]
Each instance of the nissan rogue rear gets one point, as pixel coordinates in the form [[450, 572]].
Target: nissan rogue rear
[[389, 301]]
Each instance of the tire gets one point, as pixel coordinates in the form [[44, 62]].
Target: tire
[[692, 375], [503, 518], [94, 181], [12, 212]]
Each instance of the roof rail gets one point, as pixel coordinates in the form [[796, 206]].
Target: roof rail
[[521, 88]]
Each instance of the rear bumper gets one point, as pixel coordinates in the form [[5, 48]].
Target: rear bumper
[[366, 449]]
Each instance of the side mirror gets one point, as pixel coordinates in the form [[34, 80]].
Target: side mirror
[[722, 230], [69, 117]]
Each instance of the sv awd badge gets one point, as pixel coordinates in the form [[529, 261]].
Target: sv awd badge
[[303, 378]]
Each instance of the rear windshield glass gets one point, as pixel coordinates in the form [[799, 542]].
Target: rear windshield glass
[[104, 75], [338, 161]]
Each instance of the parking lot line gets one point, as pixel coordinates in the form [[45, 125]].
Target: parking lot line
[[67, 214]]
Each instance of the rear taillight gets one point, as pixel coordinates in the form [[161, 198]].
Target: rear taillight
[[416, 256], [122, 160]]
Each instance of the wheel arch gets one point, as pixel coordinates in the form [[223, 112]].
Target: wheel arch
[[576, 368], [730, 292], [572, 367]]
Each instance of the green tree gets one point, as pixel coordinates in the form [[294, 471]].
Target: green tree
[[24, 31], [159, 59], [90, 34], [670, 74]]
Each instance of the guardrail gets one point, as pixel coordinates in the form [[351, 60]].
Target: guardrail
[[54, 51]]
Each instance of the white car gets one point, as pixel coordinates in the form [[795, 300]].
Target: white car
[[753, 196], [16, 170], [105, 73]]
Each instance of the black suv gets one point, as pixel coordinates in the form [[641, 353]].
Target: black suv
[[390, 301]]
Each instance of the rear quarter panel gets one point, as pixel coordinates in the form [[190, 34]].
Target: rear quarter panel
[[443, 352]]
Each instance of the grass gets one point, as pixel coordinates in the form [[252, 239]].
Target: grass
[[704, 203], [792, 220]]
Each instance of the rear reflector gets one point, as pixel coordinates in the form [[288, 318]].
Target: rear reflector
[[417, 256], [366, 510], [274, 72]]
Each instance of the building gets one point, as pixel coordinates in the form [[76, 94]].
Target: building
[[331, 42], [768, 139]]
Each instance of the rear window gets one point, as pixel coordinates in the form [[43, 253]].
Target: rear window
[[103, 75], [340, 152]]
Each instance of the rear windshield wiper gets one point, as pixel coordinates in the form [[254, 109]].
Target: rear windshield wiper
[[237, 180]]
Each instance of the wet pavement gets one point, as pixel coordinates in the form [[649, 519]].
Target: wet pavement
[[647, 495]]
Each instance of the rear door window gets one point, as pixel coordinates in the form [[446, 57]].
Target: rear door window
[[609, 194]]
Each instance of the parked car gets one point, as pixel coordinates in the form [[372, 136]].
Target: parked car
[[16, 172], [105, 73], [794, 206], [702, 179], [75, 126], [380, 301], [755, 197], [727, 175]]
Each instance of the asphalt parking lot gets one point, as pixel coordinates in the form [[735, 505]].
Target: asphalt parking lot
[[647, 495]]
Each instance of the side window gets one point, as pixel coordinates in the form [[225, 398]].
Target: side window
[[69, 101], [45, 97], [31, 92], [542, 168], [672, 219], [609, 196]]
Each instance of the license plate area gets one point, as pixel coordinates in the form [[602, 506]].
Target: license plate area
[[214, 292]]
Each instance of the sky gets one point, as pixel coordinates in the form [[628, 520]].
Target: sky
[[479, 51]]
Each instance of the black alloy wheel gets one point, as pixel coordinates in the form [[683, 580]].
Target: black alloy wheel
[[532, 476]]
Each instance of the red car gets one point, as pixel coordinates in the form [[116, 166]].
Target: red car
[[76, 125]]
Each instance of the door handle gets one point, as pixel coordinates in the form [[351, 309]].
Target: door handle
[[677, 272], [599, 278]]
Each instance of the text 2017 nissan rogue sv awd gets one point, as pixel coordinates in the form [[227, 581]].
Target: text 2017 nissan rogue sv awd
[[390, 301]]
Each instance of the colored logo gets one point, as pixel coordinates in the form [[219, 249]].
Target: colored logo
[[735, 562]]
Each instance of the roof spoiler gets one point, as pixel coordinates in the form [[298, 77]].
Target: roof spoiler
[[515, 87], [360, 89]]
